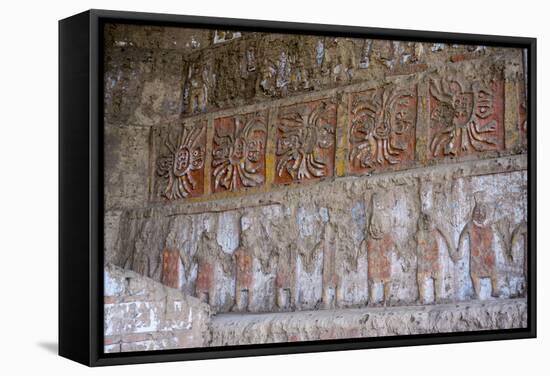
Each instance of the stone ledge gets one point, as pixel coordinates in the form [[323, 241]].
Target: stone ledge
[[239, 329], [220, 203]]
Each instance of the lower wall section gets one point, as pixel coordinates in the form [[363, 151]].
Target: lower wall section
[[141, 314], [238, 329], [438, 234]]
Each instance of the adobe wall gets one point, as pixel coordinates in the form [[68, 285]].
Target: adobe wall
[[275, 173], [141, 314]]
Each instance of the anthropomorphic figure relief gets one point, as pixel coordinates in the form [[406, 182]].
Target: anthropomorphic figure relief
[[480, 234], [250, 59], [171, 268], [521, 232], [429, 267], [330, 278], [210, 255], [366, 49], [244, 279], [380, 247], [283, 73], [513, 241], [256, 260], [284, 278]]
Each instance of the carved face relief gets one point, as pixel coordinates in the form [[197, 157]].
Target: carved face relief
[[480, 214], [239, 152], [305, 141], [182, 168], [382, 128], [425, 223], [465, 117]]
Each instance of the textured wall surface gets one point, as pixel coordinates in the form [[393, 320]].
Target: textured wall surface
[[269, 173], [234, 329], [141, 314]]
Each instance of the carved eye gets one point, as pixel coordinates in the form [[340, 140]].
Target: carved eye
[[255, 145], [220, 153], [197, 157], [239, 148], [325, 139], [164, 165], [484, 107], [254, 149]]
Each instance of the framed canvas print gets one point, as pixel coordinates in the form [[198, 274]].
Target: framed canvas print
[[238, 187]]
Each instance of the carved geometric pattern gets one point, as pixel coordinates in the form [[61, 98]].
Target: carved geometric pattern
[[182, 164], [305, 141], [382, 128], [465, 117], [238, 156]]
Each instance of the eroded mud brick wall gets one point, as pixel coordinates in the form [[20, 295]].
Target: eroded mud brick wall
[[270, 172]]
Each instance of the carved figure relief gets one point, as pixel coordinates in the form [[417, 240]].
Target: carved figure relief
[[284, 278], [244, 276], [256, 260], [197, 87], [364, 60], [238, 156], [209, 256], [516, 248], [276, 75], [479, 233], [250, 59], [519, 234], [382, 128], [391, 54], [222, 36], [330, 276], [182, 167], [171, 268], [429, 266], [465, 117], [380, 249], [305, 141]]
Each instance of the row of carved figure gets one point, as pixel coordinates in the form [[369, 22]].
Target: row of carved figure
[[279, 68], [466, 117], [477, 236]]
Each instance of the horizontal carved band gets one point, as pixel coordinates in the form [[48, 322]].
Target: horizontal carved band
[[395, 126]]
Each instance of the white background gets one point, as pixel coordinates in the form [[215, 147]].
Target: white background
[[28, 186]]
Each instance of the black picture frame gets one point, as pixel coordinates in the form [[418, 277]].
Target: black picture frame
[[81, 187]]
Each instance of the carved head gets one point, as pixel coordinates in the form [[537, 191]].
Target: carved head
[[480, 213], [425, 222], [376, 228]]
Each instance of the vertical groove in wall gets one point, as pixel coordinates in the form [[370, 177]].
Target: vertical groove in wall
[[422, 122], [208, 156], [271, 147], [511, 104], [342, 150]]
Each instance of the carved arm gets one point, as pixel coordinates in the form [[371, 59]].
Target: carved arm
[[452, 251], [465, 233]]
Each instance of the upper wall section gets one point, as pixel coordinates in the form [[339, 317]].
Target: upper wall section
[[199, 114], [211, 70]]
